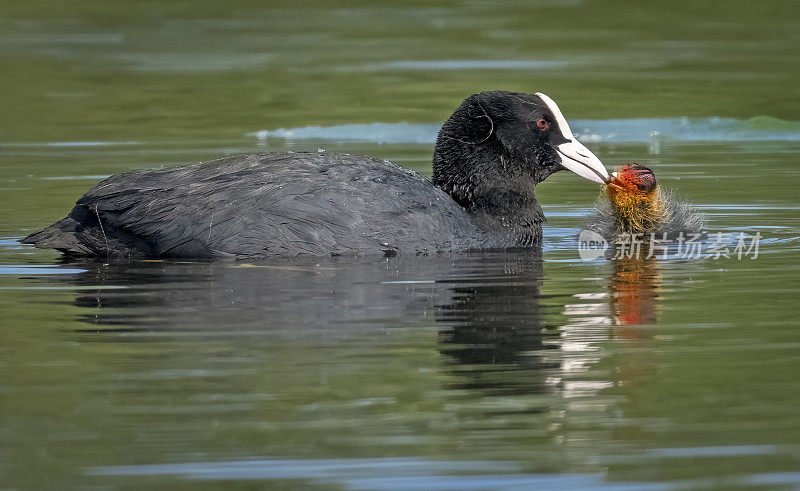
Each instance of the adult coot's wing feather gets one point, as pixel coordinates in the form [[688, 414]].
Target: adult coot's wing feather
[[263, 205]]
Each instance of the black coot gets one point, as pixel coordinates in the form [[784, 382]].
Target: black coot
[[489, 155]]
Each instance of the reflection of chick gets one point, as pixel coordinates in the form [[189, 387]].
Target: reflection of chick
[[639, 206], [635, 287], [635, 291]]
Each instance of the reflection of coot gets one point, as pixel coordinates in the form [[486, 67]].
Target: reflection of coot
[[496, 325], [300, 294], [487, 305]]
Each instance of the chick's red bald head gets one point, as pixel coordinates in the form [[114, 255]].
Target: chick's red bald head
[[634, 178]]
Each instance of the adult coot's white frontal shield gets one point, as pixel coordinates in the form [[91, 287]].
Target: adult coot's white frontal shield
[[575, 156]]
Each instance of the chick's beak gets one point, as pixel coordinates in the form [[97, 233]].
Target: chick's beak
[[574, 156]]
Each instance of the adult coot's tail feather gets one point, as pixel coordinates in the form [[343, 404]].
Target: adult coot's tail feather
[[60, 235], [82, 233]]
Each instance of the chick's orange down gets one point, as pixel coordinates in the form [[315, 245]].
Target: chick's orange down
[[635, 199]]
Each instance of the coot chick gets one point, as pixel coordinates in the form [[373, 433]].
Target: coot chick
[[638, 205], [489, 154]]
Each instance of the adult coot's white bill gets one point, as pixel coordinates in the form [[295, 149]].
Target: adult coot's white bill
[[489, 155]]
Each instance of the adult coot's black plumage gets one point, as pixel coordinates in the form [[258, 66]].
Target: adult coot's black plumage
[[489, 155]]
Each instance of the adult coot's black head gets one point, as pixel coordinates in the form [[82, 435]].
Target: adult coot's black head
[[496, 146]]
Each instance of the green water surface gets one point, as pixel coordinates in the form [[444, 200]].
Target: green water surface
[[478, 371]]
